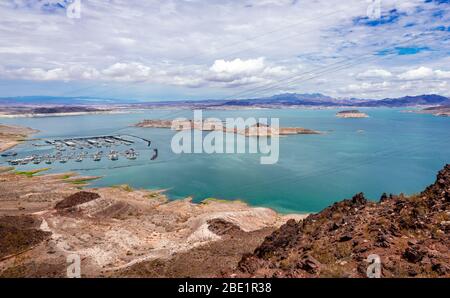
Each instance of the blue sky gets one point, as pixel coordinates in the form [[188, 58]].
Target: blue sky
[[192, 49]]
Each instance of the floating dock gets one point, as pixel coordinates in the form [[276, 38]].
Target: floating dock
[[78, 144]]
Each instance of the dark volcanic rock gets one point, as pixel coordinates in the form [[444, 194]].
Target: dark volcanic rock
[[384, 197], [345, 237], [77, 199], [440, 268], [440, 189], [220, 227], [409, 234], [284, 237], [309, 264], [359, 199], [19, 233], [414, 254]]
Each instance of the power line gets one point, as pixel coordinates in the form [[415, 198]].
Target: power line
[[290, 26], [337, 66], [322, 70], [232, 45]]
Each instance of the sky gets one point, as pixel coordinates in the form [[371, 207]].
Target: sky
[[224, 49]]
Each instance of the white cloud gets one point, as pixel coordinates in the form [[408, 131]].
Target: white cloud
[[216, 44], [417, 74], [125, 41], [442, 74], [39, 74], [238, 66], [127, 72], [375, 73], [18, 50], [366, 87], [422, 73], [233, 73], [240, 72]]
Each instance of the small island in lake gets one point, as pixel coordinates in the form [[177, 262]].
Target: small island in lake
[[442, 111], [351, 114], [258, 129]]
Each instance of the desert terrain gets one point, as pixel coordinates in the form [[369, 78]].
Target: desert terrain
[[10, 136], [117, 231]]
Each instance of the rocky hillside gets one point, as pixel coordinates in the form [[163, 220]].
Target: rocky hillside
[[411, 235]]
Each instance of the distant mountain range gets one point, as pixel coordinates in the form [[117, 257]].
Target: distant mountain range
[[280, 100], [323, 100], [57, 100]]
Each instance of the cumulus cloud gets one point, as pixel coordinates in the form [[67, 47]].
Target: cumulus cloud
[[375, 73], [238, 66], [220, 44], [422, 73], [53, 74], [127, 72], [366, 87], [441, 74], [418, 80], [239, 72], [417, 74]]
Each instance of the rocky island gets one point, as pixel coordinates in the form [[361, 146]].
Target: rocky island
[[441, 111], [258, 129], [351, 114]]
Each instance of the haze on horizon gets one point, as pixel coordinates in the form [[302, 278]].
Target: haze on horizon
[[165, 50]]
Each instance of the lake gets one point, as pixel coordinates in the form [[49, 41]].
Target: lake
[[391, 151]]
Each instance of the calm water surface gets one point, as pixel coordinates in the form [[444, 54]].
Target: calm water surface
[[389, 152]]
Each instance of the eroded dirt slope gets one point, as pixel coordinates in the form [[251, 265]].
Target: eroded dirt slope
[[118, 231]]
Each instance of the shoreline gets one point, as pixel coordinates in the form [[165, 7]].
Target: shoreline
[[26, 132], [131, 109], [12, 135], [30, 115], [118, 228], [119, 232], [434, 111]]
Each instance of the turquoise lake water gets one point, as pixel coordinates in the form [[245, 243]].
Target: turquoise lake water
[[390, 151]]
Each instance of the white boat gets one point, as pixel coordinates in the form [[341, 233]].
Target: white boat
[[132, 156]]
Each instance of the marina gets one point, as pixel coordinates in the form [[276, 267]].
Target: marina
[[83, 148]]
